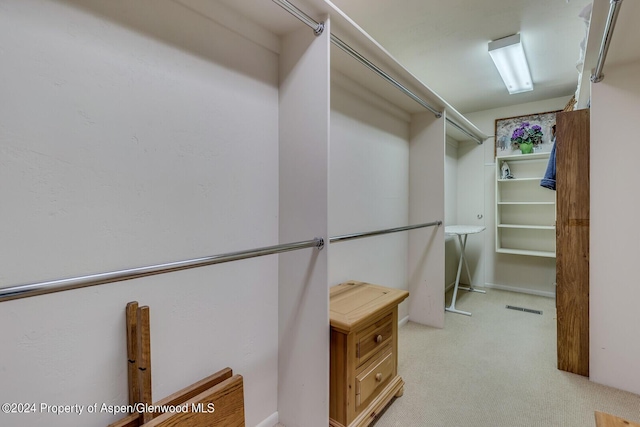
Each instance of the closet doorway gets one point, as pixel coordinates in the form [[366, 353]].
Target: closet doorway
[[470, 198], [465, 205]]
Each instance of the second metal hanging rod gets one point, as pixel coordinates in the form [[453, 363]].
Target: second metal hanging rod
[[345, 237]]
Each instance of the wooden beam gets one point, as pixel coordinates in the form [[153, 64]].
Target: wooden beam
[[572, 241], [132, 351], [144, 361]]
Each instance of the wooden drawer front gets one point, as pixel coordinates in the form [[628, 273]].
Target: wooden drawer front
[[373, 338], [374, 376]]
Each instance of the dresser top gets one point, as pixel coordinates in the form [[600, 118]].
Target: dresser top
[[353, 303]]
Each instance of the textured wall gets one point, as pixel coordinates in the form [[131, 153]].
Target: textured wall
[[369, 189], [134, 133]]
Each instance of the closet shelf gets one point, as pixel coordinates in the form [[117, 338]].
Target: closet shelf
[[537, 178], [526, 203], [527, 252], [530, 227], [523, 157]]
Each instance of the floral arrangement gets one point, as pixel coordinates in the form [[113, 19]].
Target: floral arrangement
[[526, 134]]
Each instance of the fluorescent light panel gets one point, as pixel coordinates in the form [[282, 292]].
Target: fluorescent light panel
[[508, 56]]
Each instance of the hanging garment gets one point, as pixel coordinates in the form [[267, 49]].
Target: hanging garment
[[549, 179]]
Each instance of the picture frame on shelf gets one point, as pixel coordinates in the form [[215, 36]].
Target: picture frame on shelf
[[504, 131]]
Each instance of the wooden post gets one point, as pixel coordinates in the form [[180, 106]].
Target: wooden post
[[572, 241], [144, 361], [132, 351]]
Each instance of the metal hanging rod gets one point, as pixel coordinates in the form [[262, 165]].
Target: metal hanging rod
[[352, 52], [353, 236], [31, 290], [461, 129], [370, 65], [614, 10]]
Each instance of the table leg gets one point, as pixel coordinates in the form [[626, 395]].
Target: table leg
[[452, 306], [462, 254]]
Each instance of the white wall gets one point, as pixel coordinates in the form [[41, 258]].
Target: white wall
[[369, 187], [134, 133], [614, 292], [504, 271]]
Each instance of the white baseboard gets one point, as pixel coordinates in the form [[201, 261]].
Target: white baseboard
[[403, 322], [270, 421], [521, 290]]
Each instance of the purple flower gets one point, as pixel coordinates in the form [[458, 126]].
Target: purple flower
[[524, 133], [518, 133]]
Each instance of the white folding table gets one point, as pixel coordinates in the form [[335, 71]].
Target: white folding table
[[462, 231]]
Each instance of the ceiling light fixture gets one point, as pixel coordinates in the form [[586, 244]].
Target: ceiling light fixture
[[508, 55]]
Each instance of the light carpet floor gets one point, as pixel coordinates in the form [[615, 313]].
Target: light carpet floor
[[495, 368]]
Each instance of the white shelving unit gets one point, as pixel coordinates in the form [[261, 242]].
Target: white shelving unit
[[525, 211]]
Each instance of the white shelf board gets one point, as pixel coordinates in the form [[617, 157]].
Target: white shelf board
[[530, 227], [526, 252], [526, 203], [520, 179], [533, 156]]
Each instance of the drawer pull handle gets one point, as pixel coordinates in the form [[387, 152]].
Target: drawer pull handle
[[379, 377], [379, 338]]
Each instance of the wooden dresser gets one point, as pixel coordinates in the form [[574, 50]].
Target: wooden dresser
[[364, 352]]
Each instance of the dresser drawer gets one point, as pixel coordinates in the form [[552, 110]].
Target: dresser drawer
[[374, 376], [373, 338]]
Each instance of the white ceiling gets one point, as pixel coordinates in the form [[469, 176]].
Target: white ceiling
[[444, 44]]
